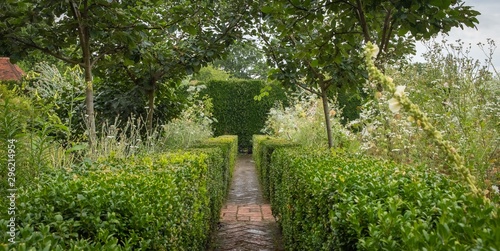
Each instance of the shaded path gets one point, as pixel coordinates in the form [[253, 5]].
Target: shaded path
[[246, 219]]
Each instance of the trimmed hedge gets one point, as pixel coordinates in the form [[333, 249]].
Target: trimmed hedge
[[229, 144], [263, 147], [334, 202], [236, 110], [168, 201], [222, 178]]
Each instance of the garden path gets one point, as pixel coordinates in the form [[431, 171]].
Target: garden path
[[246, 220]]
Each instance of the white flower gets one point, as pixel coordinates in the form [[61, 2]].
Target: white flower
[[375, 51], [400, 91], [495, 189], [394, 105]]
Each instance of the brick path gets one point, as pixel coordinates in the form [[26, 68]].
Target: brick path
[[246, 220]]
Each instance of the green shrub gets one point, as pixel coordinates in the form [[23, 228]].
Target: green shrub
[[168, 201], [28, 146], [221, 177], [229, 144], [236, 110], [328, 201], [263, 148]]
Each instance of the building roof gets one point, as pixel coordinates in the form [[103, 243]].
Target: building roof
[[9, 71]]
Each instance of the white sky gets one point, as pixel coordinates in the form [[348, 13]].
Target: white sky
[[488, 27]]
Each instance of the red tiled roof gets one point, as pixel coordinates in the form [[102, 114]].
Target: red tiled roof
[[9, 71]]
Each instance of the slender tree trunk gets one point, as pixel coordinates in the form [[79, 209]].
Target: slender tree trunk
[[89, 103], [89, 95], [89, 91], [84, 37], [151, 108], [326, 110]]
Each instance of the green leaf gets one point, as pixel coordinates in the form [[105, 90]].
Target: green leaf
[[441, 3], [76, 148], [80, 197], [58, 217], [315, 63], [267, 9]]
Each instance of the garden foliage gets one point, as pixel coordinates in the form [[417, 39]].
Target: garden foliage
[[31, 150], [164, 201], [303, 122], [331, 201], [236, 110], [263, 147], [461, 98]]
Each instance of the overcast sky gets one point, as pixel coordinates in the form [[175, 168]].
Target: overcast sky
[[488, 27]]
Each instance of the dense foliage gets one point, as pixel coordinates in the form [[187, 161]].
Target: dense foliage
[[263, 147], [236, 110], [18, 118], [333, 201], [314, 45], [119, 178], [163, 201], [302, 121]]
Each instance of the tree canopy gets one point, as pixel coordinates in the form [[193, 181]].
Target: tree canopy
[[150, 40], [316, 45]]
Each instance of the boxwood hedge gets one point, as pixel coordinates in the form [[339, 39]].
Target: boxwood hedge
[[326, 201], [263, 147], [167, 201], [221, 177], [236, 110]]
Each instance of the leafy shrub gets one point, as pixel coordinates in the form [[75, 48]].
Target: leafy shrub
[[59, 97], [221, 178], [331, 201], [263, 148], [117, 96], [168, 201], [229, 144], [236, 110], [127, 138]]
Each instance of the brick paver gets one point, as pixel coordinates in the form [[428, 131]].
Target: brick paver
[[255, 212], [246, 221]]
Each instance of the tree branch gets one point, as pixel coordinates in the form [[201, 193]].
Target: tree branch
[[362, 20], [385, 32], [46, 50], [297, 7], [308, 89]]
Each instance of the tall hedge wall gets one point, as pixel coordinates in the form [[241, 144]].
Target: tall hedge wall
[[236, 110]]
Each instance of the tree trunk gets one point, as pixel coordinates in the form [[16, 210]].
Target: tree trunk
[[84, 37], [151, 108], [326, 110], [89, 103], [89, 93]]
